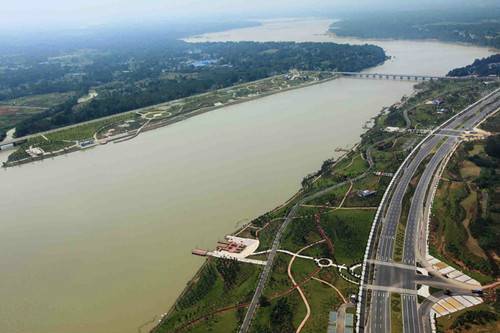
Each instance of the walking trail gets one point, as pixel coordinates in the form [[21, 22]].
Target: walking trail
[[308, 308]]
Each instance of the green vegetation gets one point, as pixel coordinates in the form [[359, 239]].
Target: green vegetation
[[126, 79], [396, 313], [87, 131], [466, 207], [478, 26], [12, 115], [349, 231], [167, 113], [281, 307], [480, 318], [477, 317], [480, 67], [216, 287], [40, 101], [54, 142]]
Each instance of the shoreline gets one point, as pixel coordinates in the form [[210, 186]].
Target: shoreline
[[288, 201], [160, 123], [331, 33]]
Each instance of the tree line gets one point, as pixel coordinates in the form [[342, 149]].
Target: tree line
[[125, 83]]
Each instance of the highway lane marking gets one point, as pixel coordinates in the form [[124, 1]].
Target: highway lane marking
[[390, 289], [392, 264]]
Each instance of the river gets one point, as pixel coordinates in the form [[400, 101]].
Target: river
[[99, 241]]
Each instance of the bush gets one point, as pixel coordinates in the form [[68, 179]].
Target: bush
[[493, 146]]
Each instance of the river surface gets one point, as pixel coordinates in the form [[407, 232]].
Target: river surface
[[99, 241]]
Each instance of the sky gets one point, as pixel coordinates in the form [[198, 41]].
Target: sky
[[37, 14]]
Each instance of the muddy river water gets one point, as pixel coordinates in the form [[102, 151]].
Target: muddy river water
[[99, 241]]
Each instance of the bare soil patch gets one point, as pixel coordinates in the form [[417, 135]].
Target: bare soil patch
[[7, 110], [469, 204], [469, 170]]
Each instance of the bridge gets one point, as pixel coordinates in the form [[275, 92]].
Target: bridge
[[11, 144], [400, 77]]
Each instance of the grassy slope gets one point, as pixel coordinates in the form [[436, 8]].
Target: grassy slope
[[445, 324], [456, 198]]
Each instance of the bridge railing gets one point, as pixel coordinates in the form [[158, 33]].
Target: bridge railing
[[407, 77]]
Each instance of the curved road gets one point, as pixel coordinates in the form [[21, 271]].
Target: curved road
[[386, 275]]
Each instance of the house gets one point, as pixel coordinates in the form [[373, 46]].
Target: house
[[366, 193], [436, 102]]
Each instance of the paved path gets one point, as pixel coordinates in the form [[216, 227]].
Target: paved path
[[252, 308]]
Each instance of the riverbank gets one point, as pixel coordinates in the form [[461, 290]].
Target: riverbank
[[339, 184], [117, 128], [120, 221]]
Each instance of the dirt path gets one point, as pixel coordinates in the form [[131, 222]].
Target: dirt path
[[470, 208], [331, 285], [301, 292], [244, 305], [346, 194]]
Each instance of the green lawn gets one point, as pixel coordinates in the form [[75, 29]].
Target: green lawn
[[348, 230], [87, 131], [44, 100]]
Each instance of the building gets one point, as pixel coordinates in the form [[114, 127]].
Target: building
[[437, 102], [366, 193], [391, 129]]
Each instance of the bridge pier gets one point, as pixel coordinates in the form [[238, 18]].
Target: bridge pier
[[387, 76]]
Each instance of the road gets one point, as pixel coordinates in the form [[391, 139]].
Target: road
[[386, 275], [264, 275], [416, 222]]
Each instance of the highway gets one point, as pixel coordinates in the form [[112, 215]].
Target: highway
[[385, 275]]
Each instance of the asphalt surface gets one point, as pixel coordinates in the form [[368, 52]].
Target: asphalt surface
[[252, 308], [384, 275]]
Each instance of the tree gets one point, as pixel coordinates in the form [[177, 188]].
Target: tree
[[493, 146]]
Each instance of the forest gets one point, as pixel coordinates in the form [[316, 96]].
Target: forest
[[480, 67], [130, 78], [479, 26]]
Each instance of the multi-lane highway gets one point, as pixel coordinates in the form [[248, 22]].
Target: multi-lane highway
[[387, 277]]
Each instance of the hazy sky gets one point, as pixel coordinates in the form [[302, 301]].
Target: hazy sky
[[31, 14]]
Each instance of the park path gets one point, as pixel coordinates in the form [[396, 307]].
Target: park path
[[301, 292], [331, 285]]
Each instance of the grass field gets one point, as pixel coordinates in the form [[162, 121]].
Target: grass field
[[43, 101], [11, 115], [86, 131]]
